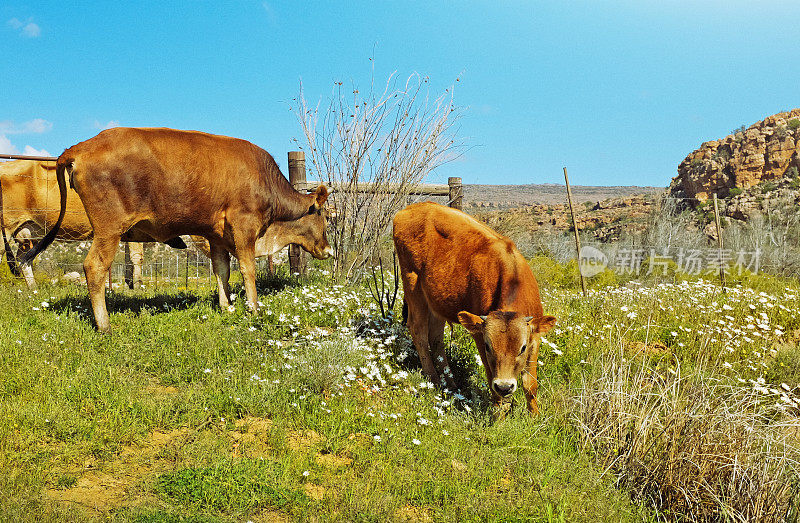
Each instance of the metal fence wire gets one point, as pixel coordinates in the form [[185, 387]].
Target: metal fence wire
[[160, 264]]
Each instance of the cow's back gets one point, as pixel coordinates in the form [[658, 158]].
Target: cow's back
[[461, 264], [172, 176]]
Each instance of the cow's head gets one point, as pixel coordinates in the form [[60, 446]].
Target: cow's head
[[510, 340], [24, 238], [308, 231], [312, 228]]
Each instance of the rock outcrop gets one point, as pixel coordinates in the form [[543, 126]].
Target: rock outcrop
[[767, 150], [605, 220]]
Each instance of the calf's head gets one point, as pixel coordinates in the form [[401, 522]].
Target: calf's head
[[308, 231], [510, 341]]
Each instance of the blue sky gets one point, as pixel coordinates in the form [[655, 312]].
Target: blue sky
[[618, 91]]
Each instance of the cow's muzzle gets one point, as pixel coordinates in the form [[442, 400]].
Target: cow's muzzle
[[504, 387]]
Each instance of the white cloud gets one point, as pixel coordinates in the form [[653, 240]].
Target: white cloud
[[103, 126], [31, 30], [6, 147], [35, 126], [30, 151], [28, 28]]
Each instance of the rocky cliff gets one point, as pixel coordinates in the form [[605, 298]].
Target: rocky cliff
[[767, 150]]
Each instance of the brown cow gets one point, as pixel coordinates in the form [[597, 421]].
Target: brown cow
[[28, 208], [161, 183], [456, 269]]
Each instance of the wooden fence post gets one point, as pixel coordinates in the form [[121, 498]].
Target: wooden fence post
[[575, 228], [456, 197], [719, 243], [297, 177]]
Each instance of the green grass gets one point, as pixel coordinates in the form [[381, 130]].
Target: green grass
[[314, 408]]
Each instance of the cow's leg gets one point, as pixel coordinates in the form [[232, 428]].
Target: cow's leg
[[221, 264], [436, 342], [96, 265], [134, 256], [247, 265], [27, 273], [418, 315], [24, 239], [530, 382]]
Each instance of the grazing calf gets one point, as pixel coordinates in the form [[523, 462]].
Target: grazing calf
[[144, 184], [456, 269]]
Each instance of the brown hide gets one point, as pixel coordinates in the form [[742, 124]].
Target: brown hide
[[277, 236], [30, 194], [456, 269], [30, 200], [162, 183]]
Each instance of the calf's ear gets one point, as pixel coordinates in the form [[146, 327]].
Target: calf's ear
[[542, 325], [471, 322], [321, 194]]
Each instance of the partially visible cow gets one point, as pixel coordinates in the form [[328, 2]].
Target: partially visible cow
[[29, 207], [456, 269], [156, 183], [277, 236]]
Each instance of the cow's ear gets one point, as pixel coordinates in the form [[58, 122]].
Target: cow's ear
[[542, 325], [471, 322], [321, 194]]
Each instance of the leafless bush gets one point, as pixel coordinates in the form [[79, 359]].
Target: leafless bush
[[776, 238], [383, 287], [667, 227], [691, 446], [389, 138]]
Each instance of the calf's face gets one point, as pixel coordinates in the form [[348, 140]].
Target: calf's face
[[510, 340], [309, 231]]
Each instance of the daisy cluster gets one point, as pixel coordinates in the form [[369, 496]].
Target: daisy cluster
[[737, 333], [315, 304]]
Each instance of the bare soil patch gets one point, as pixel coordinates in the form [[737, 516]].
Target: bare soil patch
[[109, 488]]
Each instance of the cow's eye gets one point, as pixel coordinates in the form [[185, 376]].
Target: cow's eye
[[522, 350], [488, 346]]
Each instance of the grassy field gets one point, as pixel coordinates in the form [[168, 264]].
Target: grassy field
[[314, 410]]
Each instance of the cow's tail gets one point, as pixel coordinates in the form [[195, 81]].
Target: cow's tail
[[61, 167], [11, 260]]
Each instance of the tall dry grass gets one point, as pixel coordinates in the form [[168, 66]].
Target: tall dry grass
[[697, 448]]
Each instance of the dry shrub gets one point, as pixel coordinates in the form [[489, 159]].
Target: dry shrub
[[691, 446], [374, 147]]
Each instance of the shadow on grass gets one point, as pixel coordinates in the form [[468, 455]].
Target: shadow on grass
[[267, 283], [115, 302]]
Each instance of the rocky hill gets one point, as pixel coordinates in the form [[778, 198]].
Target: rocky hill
[[767, 150]]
